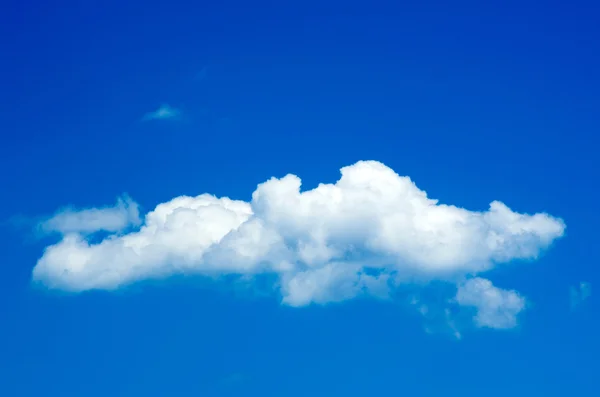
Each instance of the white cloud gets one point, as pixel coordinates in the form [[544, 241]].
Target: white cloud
[[362, 235], [580, 293], [164, 112], [496, 307], [109, 219]]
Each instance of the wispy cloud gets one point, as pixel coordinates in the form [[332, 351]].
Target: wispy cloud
[[86, 221], [164, 112], [496, 308], [234, 378], [361, 236], [202, 73], [580, 293], [438, 317]]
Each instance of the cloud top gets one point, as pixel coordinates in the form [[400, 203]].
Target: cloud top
[[365, 234]]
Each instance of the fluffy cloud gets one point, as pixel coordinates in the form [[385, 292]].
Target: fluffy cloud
[[580, 293], [365, 234], [164, 112], [496, 308], [109, 219]]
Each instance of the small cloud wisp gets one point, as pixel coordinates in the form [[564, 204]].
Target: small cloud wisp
[[164, 112], [580, 293], [87, 221]]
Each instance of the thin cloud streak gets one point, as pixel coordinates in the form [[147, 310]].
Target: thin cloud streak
[[164, 112], [580, 293]]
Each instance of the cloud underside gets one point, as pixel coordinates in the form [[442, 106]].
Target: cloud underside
[[369, 233]]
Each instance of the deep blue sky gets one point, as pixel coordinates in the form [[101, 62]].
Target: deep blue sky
[[474, 102]]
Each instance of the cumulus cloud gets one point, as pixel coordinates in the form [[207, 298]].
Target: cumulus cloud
[[580, 293], [108, 219], [496, 307], [365, 234], [164, 112]]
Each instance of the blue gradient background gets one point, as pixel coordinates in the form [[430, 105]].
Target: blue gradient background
[[475, 102]]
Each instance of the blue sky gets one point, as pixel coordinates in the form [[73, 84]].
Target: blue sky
[[363, 287]]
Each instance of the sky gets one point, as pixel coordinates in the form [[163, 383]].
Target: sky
[[299, 198]]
